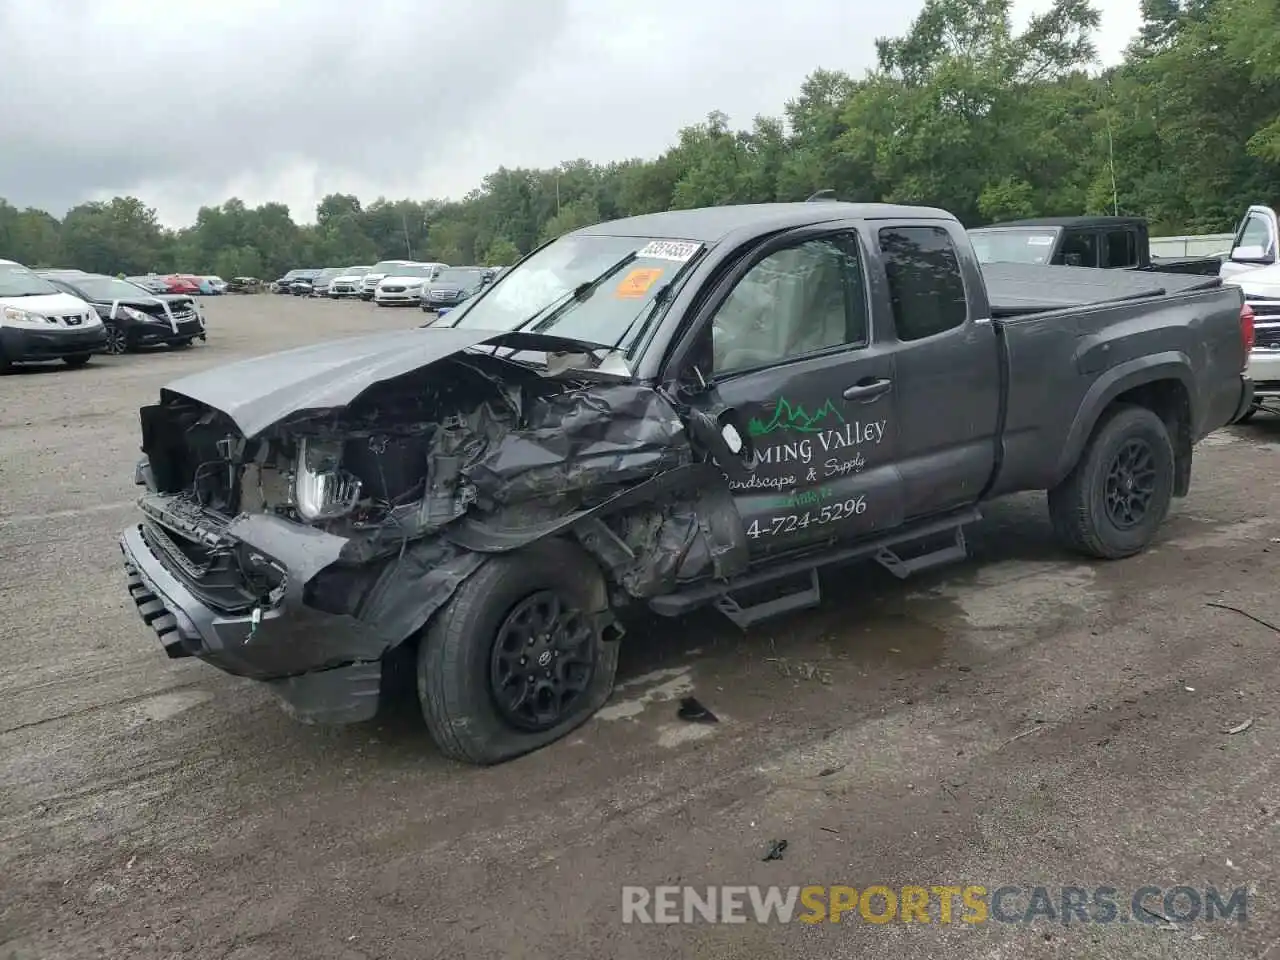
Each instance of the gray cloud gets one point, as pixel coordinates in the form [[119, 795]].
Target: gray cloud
[[188, 102]]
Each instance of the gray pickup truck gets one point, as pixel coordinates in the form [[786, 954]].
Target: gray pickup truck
[[1111, 243], [679, 409]]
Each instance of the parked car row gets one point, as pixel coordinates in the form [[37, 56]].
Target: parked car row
[[70, 315], [183, 283], [430, 285]]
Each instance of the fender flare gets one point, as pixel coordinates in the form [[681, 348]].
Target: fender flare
[[1168, 365]]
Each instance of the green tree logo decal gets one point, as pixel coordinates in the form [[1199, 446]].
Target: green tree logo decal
[[787, 417]]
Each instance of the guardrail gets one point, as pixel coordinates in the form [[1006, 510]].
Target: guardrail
[[1204, 245]]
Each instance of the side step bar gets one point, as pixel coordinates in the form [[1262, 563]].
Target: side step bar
[[882, 551]]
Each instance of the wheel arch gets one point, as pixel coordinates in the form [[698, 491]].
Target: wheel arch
[[1162, 383]]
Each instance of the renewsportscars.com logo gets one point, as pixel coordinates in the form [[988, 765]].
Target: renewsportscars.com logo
[[970, 904]]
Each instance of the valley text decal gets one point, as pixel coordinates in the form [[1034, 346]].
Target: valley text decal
[[820, 445]]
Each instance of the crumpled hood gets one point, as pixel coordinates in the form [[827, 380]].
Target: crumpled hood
[[259, 392]]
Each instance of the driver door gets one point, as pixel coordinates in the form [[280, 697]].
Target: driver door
[[794, 353]]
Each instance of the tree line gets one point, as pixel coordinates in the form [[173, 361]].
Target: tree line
[[962, 112]]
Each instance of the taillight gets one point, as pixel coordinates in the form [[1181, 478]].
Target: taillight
[[1246, 328]]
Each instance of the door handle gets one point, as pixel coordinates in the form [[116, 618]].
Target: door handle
[[868, 389]]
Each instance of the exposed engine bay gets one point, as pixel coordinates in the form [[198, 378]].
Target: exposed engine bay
[[475, 450]]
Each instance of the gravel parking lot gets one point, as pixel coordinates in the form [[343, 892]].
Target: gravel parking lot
[[1019, 719]]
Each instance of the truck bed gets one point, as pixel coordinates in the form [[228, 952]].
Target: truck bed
[[1019, 289], [1071, 337]]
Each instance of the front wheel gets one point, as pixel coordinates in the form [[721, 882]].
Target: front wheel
[[1114, 500], [180, 344], [117, 339], [518, 657]]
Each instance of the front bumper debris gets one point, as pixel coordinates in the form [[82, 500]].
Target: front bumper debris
[[324, 666]]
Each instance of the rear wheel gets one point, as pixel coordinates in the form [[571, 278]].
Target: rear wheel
[[1113, 502], [79, 360], [117, 339], [517, 659]]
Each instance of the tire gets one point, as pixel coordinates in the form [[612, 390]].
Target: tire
[[180, 344], [79, 360], [1250, 413], [117, 339], [1078, 507], [457, 657]]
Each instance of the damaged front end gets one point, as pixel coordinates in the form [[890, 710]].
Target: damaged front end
[[296, 533]]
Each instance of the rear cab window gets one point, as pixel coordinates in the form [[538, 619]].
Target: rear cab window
[[1120, 249], [1080, 248], [1014, 244], [926, 284]]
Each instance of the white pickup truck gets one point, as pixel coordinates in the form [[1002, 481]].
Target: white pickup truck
[[1254, 266]]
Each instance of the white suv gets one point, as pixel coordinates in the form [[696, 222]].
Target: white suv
[[40, 322]]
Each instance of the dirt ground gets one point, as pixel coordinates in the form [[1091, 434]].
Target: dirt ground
[[1020, 719]]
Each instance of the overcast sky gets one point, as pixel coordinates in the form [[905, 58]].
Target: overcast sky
[[189, 102]]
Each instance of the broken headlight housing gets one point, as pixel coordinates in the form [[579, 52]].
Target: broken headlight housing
[[322, 490]]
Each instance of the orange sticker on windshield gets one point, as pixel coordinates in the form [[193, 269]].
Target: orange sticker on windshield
[[637, 282]]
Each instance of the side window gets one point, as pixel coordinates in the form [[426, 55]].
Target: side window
[[1080, 249], [926, 287], [1121, 248], [795, 301], [1254, 232]]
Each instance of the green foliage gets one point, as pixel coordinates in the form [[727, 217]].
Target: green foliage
[[962, 112], [501, 253]]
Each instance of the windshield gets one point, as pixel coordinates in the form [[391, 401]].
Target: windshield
[[355, 271], [388, 266], [1014, 244], [460, 277], [609, 315], [107, 288], [17, 281]]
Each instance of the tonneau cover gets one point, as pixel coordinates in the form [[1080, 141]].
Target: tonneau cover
[[1015, 289]]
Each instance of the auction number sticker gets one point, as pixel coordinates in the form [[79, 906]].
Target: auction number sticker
[[1040, 241], [791, 522], [677, 250], [637, 283]]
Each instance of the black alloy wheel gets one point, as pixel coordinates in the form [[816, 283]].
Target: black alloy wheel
[[117, 339], [543, 661], [1130, 483]]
